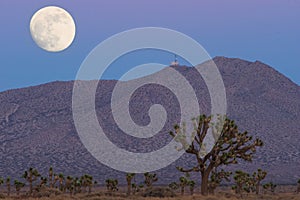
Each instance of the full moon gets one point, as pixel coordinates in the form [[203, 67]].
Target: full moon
[[52, 28]]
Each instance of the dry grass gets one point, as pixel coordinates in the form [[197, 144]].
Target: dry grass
[[102, 195]]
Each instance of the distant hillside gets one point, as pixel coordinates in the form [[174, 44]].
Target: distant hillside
[[37, 129]]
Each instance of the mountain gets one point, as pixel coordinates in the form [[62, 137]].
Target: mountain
[[37, 127]]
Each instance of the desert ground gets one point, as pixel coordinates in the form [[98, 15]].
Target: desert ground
[[223, 193]]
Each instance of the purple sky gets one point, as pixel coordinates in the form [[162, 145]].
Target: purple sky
[[265, 30]]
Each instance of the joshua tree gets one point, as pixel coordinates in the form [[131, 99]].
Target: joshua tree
[[95, 184], [112, 185], [43, 181], [8, 185], [136, 188], [61, 179], [30, 176], [243, 182], [87, 182], [19, 185], [173, 186], [77, 185], [183, 182], [298, 187], [129, 177], [270, 186], [51, 177], [55, 179], [257, 178], [150, 179], [192, 186], [230, 146], [1, 181], [90, 183], [69, 184], [216, 178]]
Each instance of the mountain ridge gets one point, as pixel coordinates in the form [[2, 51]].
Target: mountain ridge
[[37, 128]]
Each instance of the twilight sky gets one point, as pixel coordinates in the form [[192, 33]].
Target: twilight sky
[[265, 30]]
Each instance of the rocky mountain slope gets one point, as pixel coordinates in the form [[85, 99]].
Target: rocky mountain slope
[[37, 128]]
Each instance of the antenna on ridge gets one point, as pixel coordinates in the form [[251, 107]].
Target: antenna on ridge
[[175, 62]]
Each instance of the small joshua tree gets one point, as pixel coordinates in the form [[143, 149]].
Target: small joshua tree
[[90, 183], [87, 182], [54, 180], [183, 182], [61, 179], [112, 185], [69, 184], [270, 186], [242, 182], [230, 146], [257, 178], [18, 185], [31, 176], [77, 182], [51, 177], [192, 184], [1, 181], [8, 185], [43, 181], [173, 186], [136, 188], [129, 177], [150, 179], [216, 178], [298, 187]]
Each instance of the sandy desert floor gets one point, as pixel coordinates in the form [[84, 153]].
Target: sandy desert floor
[[96, 196], [283, 193]]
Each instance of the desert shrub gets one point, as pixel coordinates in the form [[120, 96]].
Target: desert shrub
[[158, 192]]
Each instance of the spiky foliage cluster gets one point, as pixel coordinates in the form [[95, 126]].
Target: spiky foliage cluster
[[243, 182], [112, 185], [37, 182], [247, 183], [150, 179], [257, 177], [136, 187], [184, 181], [270, 187], [70, 184], [18, 185], [51, 176], [87, 183], [129, 177], [230, 145], [31, 176], [216, 178], [8, 185]]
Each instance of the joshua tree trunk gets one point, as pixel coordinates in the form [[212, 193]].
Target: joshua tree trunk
[[192, 190], [30, 187], [90, 189], [204, 182], [8, 186], [128, 188], [182, 190], [257, 187]]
